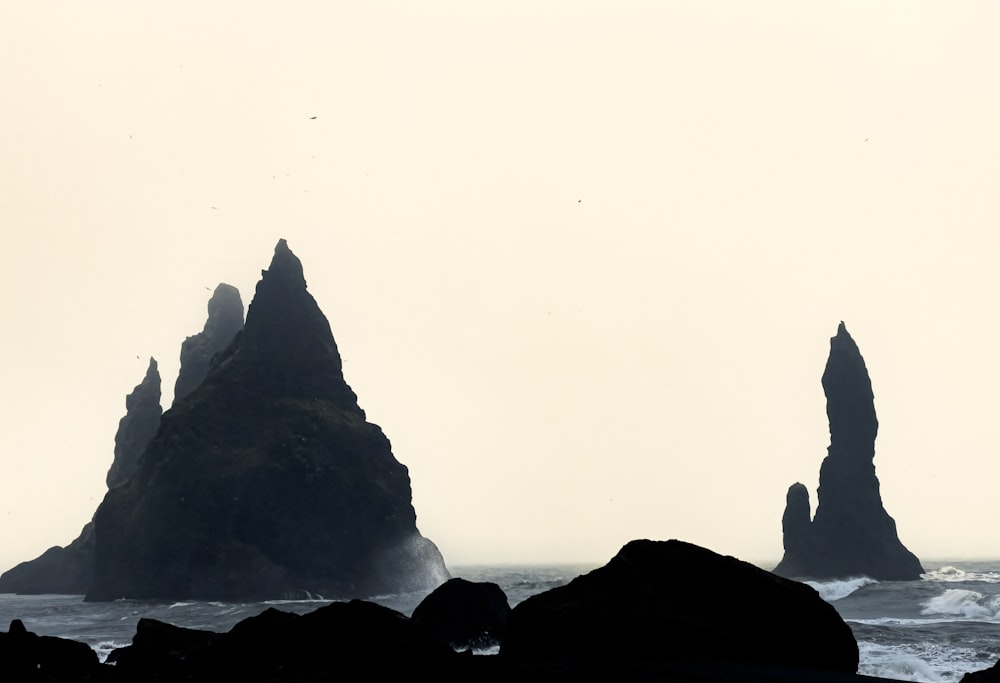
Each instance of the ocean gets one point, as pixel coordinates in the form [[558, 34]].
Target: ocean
[[933, 630]]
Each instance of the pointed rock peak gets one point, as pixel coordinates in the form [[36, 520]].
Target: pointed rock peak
[[138, 427], [148, 388], [225, 303], [843, 341], [285, 266], [225, 320]]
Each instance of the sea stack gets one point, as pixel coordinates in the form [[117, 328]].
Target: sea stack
[[851, 534], [225, 319], [266, 481]]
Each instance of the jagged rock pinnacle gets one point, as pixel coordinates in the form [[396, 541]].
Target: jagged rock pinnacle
[[266, 481], [138, 427], [851, 534]]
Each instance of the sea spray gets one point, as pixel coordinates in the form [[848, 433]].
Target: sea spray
[[837, 590], [964, 603]]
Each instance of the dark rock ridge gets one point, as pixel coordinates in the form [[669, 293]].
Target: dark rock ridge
[[60, 570], [69, 570], [225, 320], [266, 481], [658, 611], [465, 614], [851, 534], [673, 601], [138, 427], [274, 645]]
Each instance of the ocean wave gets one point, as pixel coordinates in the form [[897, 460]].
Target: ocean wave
[[963, 603], [952, 574], [917, 662], [903, 621], [837, 590]]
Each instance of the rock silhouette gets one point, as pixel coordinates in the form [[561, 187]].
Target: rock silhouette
[[674, 601], [138, 427], [851, 534], [225, 319], [69, 570], [266, 481], [465, 614]]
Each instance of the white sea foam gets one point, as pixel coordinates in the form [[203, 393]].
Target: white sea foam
[[950, 574], [963, 603], [924, 662], [837, 590], [104, 648]]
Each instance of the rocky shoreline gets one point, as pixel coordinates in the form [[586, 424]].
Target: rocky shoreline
[[640, 617]]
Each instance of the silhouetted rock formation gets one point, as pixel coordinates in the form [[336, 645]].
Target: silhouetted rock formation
[[851, 534], [465, 614], [990, 675], [60, 570], [138, 427], [673, 601], [69, 570], [266, 481], [225, 320], [340, 638], [25, 656]]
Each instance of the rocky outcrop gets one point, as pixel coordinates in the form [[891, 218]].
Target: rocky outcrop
[[138, 427], [225, 320], [465, 614], [26, 656], [990, 675], [851, 534], [341, 638], [673, 601], [69, 570], [266, 480]]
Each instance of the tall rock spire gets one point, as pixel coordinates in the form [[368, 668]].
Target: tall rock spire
[[851, 534], [138, 427], [266, 481]]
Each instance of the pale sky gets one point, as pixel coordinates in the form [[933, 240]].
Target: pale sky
[[582, 259]]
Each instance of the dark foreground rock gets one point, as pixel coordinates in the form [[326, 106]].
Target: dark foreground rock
[[25, 656], [657, 612], [990, 675], [465, 613], [673, 601], [266, 481], [851, 534]]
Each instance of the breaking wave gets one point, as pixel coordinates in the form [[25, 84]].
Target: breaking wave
[[959, 602], [950, 574], [837, 590]]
